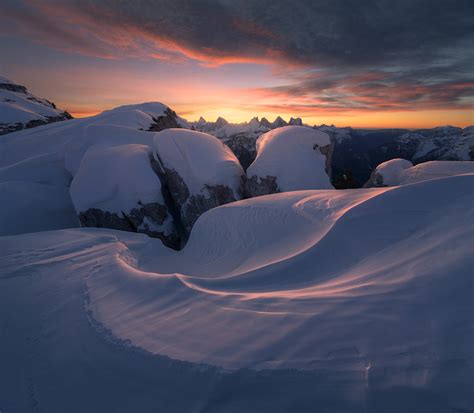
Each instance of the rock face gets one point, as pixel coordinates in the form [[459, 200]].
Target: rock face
[[402, 172], [117, 187], [166, 121], [244, 148], [19, 109], [199, 173], [258, 186], [288, 159]]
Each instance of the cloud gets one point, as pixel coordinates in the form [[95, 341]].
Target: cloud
[[343, 55]]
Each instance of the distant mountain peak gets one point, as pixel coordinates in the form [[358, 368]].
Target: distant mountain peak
[[23, 110]]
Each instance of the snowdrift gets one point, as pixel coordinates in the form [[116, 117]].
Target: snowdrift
[[402, 172], [357, 300]]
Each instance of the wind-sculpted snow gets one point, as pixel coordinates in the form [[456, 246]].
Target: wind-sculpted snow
[[356, 300], [290, 158], [402, 172]]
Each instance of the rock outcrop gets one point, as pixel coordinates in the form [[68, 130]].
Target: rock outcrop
[[244, 147], [168, 120], [117, 187], [198, 171]]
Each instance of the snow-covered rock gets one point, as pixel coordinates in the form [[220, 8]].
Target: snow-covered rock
[[402, 172], [52, 155], [116, 187], [388, 173], [290, 158], [20, 109], [200, 172], [151, 116]]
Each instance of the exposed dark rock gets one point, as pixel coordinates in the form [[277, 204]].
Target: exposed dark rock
[[265, 123], [143, 219], [220, 122], [13, 87], [210, 197], [375, 181], [258, 186], [177, 187], [327, 151], [244, 148], [278, 122], [190, 207], [13, 127], [167, 121], [295, 122]]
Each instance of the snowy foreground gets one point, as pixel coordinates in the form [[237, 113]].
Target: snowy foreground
[[307, 299], [328, 301]]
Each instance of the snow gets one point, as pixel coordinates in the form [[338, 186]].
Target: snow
[[391, 170], [402, 172], [50, 155], [292, 155], [115, 179], [356, 300], [16, 107], [353, 301], [43, 169], [222, 129], [199, 158], [5, 80], [138, 116], [31, 207]]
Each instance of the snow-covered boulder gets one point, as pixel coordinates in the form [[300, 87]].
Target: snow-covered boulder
[[290, 158], [402, 172], [388, 173], [151, 116], [20, 109], [116, 187], [200, 172]]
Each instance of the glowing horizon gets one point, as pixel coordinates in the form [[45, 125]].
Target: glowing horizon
[[269, 60]]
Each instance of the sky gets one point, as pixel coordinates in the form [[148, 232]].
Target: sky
[[364, 63]]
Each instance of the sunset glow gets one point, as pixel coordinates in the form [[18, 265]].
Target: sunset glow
[[89, 57]]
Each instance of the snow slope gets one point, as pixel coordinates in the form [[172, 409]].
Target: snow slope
[[20, 109], [350, 301], [402, 172]]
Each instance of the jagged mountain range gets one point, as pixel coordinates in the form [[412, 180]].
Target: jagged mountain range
[[357, 152]]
